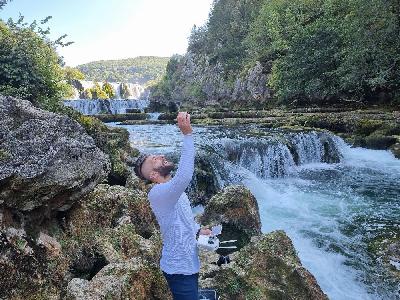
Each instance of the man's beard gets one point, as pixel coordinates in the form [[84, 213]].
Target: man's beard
[[165, 170]]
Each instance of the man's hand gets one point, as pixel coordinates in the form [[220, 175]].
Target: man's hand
[[183, 119], [205, 231]]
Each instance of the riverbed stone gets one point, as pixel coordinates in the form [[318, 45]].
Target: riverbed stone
[[48, 161], [385, 249]]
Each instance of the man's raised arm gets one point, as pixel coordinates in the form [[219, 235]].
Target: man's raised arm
[[165, 195]]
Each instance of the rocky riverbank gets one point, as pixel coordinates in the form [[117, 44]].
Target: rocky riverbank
[[76, 223]]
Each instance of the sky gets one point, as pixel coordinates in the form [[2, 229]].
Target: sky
[[116, 29]]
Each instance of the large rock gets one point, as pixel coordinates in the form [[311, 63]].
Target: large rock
[[47, 160], [110, 224], [114, 244], [385, 250], [237, 210], [266, 268], [132, 279], [110, 206], [30, 268], [114, 142]]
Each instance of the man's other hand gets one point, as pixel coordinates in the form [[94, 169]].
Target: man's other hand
[[183, 120]]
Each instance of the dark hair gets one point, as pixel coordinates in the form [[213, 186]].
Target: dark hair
[[138, 166]]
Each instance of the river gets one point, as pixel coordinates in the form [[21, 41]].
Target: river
[[331, 206]]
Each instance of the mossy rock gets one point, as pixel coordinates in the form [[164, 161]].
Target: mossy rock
[[115, 143], [4, 154], [385, 249], [204, 185], [237, 210], [133, 110], [132, 279], [396, 150], [107, 206], [267, 268], [28, 270], [366, 126], [379, 142]]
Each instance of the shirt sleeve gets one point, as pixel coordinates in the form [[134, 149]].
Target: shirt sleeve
[[165, 195], [196, 226]]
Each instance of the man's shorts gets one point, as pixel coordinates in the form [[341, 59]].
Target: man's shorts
[[183, 287]]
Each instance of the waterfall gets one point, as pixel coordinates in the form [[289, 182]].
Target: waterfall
[[117, 90], [121, 90], [94, 107], [275, 156], [130, 90], [154, 115]]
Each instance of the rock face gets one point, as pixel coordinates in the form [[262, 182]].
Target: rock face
[[28, 268], [112, 141], [124, 280], [112, 206], [48, 161], [202, 83], [266, 268], [237, 210], [114, 245]]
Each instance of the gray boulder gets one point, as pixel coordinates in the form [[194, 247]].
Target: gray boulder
[[47, 160]]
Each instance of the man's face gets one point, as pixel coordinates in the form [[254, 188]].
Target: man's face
[[156, 166]]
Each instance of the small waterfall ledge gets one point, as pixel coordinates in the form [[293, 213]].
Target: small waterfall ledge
[[94, 107], [272, 157]]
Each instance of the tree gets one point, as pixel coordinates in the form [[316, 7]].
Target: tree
[[328, 50], [3, 3], [108, 89], [30, 66], [97, 92], [71, 74]]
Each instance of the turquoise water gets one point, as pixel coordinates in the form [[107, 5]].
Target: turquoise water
[[330, 211]]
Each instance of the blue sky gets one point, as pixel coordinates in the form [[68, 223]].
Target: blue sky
[[115, 29]]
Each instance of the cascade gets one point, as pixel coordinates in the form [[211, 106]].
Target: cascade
[[94, 107]]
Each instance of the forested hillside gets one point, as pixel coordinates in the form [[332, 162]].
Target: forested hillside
[[291, 52], [142, 69]]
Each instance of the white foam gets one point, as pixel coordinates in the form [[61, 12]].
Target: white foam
[[284, 206]]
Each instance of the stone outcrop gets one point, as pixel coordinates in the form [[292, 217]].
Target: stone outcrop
[[202, 83], [112, 141], [113, 228], [47, 160], [267, 268], [29, 269], [237, 210], [112, 206], [132, 279], [108, 240], [385, 249]]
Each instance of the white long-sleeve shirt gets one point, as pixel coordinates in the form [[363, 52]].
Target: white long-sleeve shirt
[[171, 207]]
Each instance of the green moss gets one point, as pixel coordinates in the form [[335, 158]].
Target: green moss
[[367, 126], [379, 142], [4, 154]]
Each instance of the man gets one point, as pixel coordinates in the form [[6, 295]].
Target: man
[[179, 262]]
